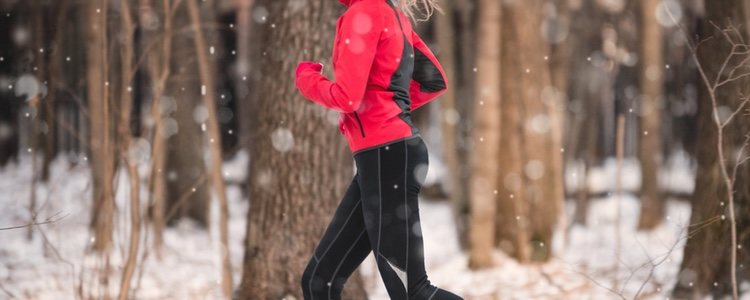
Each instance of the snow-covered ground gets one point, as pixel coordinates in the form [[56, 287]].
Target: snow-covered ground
[[585, 268], [56, 263]]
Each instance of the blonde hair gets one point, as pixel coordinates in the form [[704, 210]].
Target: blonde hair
[[425, 8]]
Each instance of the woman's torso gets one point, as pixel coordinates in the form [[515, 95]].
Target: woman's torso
[[385, 114]]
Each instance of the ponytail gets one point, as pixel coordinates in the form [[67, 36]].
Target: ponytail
[[425, 7]]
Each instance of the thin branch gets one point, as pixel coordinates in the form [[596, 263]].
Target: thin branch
[[600, 284], [7, 292], [740, 160], [736, 111], [653, 269], [728, 181], [49, 220], [184, 197]]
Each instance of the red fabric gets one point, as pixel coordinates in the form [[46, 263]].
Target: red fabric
[[368, 51], [304, 65]]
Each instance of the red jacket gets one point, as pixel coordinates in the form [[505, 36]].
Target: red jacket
[[383, 71]]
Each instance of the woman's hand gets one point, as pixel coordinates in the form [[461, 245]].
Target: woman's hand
[[304, 65]]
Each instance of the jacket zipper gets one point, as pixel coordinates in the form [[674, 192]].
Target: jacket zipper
[[361, 129]]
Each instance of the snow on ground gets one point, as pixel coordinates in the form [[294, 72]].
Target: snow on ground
[[56, 263], [584, 269], [587, 265], [676, 176], [189, 269]]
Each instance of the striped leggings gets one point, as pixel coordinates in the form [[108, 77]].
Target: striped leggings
[[379, 213]]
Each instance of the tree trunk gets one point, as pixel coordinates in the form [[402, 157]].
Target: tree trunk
[[530, 193], [486, 139], [126, 137], [449, 118], [706, 266], [300, 165], [56, 83], [593, 84], [9, 111], [650, 147], [99, 123], [465, 87], [245, 75], [208, 88], [558, 36], [187, 191], [158, 69]]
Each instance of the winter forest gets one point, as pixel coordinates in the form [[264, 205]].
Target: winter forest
[[585, 149]]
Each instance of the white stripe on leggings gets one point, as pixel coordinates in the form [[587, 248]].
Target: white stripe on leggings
[[406, 213], [342, 261], [312, 275]]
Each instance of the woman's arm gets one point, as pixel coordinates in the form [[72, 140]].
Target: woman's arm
[[358, 36], [428, 80]]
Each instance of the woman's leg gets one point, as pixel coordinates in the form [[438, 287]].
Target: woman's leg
[[341, 250], [390, 178]]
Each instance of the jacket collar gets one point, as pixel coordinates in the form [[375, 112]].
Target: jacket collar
[[348, 2]]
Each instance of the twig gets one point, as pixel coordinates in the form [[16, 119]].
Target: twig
[[653, 268], [551, 280], [7, 292], [49, 220], [618, 294], [184, 197], [712, 88]]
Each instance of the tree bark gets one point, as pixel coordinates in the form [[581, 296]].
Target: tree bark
[[99, 124], [706, 266], [653, 204], [208, 89], [486, 137], [465, 87], [245, 75], [530, 193], [586, 93], [187, 192], [55, 83], [126, 138], [449, 118], [158, 69], [300, 165]]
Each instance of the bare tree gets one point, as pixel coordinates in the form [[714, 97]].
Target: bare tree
[[486, 139], [245, 75], [99, 120], [587, 95], [300, 165], [126, 138], [157, 60], [184, 171], [55, 86], [530, 183], [722, 60], [650, 148], [466, 34], [449, 117], [214, 142]]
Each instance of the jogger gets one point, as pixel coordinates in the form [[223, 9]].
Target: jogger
[[383, 72], [380, 213]]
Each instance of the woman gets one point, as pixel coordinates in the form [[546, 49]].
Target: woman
[[383, 71]]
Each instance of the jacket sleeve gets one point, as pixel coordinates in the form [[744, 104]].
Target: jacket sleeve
[[428, 80], [357, 38]]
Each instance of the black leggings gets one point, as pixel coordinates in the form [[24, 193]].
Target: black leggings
[[378, 213]]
